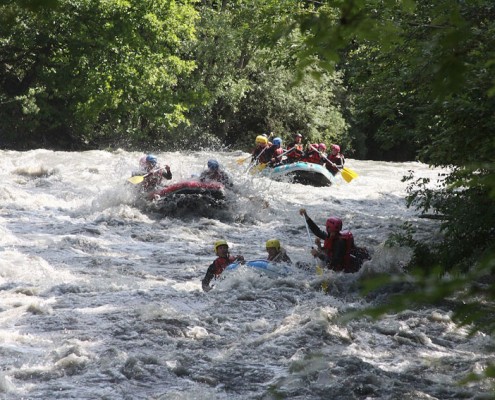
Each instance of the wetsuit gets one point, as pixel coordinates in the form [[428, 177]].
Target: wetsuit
[[280, 257]]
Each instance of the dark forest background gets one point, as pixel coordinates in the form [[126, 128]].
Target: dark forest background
[[387, 80]]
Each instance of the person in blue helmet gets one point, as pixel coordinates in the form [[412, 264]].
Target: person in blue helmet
[[215, 173], [153, 172], [274, 153]]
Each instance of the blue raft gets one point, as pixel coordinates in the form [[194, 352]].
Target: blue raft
[[264, 266], [301, 172]]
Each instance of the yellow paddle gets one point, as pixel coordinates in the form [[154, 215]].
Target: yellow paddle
[[138, 178], [242, 160], [258, 168], [347, 173]]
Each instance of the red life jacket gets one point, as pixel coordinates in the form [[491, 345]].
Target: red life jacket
[[328, 246], [221, 263], [313, 157], [153, 180], [298, 151]]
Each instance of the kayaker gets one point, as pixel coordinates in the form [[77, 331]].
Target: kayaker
[[215, 173], [276, 253], [216, 268], [153, 173], [338, 251]]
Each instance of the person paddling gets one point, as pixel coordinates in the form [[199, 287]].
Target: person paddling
[[276, 253], [296, 149], [215, 173], [153, 173], [335, 160], [260, 153], [216, 268], [338, 251]]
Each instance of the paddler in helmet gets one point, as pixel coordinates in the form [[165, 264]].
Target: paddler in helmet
[[215, 173], [260, 153], [338, 250], [276, 253], [223, 259]]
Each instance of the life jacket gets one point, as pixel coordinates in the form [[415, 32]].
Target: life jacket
[[337, 159], [312, 156], [346, 265], [277, 155], [262, 154], [298, 151], [221, 263], [153, 180]]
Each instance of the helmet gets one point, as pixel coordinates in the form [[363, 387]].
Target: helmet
[[335, 147], [273, 243], [298, 135], [213, 164], [150, 158], [260, 139], [219, 243], [322, 147], [334, 224], [277, 141]]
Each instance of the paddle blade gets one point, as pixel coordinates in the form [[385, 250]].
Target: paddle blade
[[258, 168], [242, 160], [324, 285], [348, 174], [136, 179]]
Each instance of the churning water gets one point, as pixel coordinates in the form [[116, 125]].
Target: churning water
[[100, 297]]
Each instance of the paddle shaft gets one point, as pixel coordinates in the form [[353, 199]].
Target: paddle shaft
[[141, 177], [319, 271], [324, 157]]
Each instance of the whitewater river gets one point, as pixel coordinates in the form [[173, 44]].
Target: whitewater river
[[101, 298]]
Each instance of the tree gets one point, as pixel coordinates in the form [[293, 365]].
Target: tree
[[246, 72], [92, 71]]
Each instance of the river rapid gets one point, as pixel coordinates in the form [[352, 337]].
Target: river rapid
[[100, 297]]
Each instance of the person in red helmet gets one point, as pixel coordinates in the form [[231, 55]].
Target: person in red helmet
[[316, 153], [338, 251], [337, 159], [216, 268]]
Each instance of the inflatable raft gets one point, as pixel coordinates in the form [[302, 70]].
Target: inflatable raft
[[301, 172]]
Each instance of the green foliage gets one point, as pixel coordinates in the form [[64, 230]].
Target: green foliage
[[246, 75], [425, 83], [93, 70]]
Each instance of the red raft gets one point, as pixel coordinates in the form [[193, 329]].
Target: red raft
[[189, 194]]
